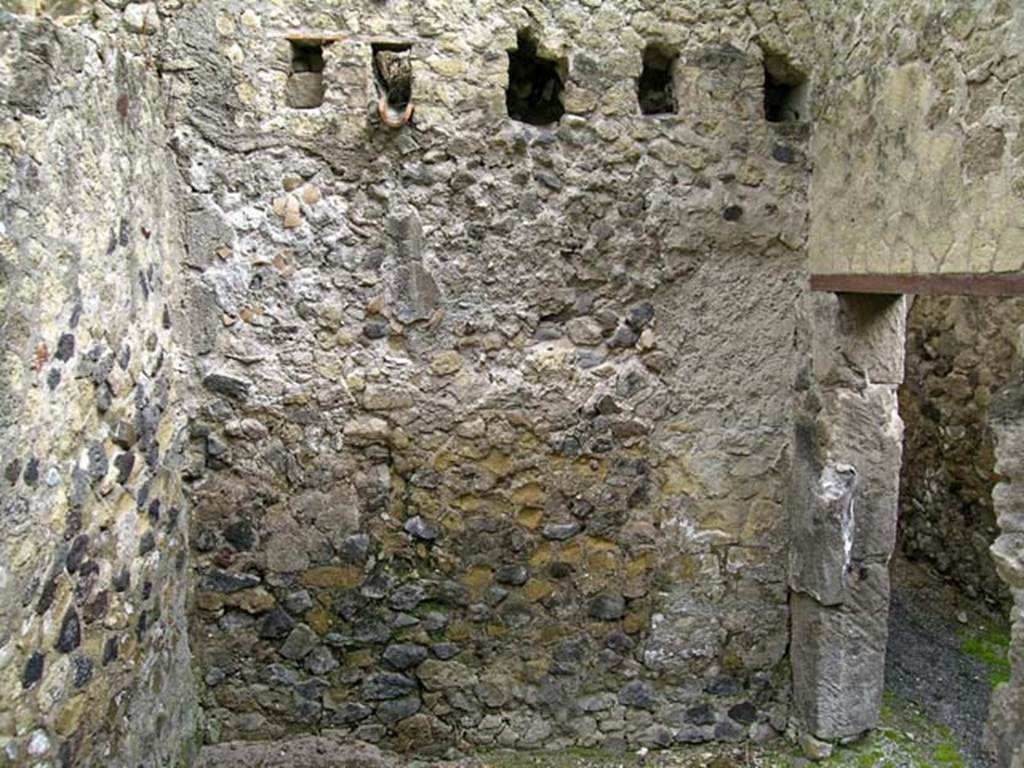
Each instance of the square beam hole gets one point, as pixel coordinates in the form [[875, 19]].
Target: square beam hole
[[785, 91], [535, 84], [392, 73], [656, 86], [306, 78]]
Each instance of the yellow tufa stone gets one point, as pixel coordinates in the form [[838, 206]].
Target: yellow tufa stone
[[529, 495], [320, 620], [333, 577], [497, 463], [530, 518], [255, 600], [634, 623], [361, 659], [446, 363], [478, 578], [538, 589]]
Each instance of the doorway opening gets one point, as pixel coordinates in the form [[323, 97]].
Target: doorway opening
[[948, 628]]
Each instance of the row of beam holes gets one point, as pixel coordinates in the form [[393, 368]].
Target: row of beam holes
[[306, 80], [535, 85]]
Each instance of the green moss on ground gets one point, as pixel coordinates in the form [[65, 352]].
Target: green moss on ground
[[990, 645]]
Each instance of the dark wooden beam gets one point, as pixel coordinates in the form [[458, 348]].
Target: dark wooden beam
[[951, 284]]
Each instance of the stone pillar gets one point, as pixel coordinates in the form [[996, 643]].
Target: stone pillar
[[1004, 735], [843, 510]]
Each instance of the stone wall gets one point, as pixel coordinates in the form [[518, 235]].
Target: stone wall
[[94, 662], [960, 351], [917, 143], [1006, 716], [492, 443]]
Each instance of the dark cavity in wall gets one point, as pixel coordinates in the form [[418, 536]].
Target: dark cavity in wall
[[655, 88], [392, 73], [535, 84], [785, 91], [306, 81], [961, 352]]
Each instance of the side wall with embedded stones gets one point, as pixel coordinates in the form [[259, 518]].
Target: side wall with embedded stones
[[1006, 714], [492, 442], [94, 661], [961, 351]]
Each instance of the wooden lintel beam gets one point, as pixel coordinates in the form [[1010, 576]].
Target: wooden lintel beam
[[951, 284]]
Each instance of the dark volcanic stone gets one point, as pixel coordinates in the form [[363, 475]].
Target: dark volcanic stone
[[732, 213], [147, 543], [619, 642], [354, 548], [46, 596], [98, 462], [375, 330], [31, 474], [407, 597], [640, 316], [691, 735], [81, 669], [513, 575], [723, 685], [240, 535], [445, 651], [388, 685], [560, 531], [398, 709], [350, 712], [401, 656], [65, 347], [728, 730], [276, 625], [744, 713], [227, 581], [607, 607], [76, 554], [110, 650], [227, 385], [784, 154], [422, 529], [623, 337], [702, 714], [97, 608], [33, 671], [125, 463], [70, 636], [640, 694]]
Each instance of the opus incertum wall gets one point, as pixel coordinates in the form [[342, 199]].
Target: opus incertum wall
[[492, 443]]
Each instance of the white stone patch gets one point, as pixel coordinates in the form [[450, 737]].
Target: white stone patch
[[833, 485], [39, 744]]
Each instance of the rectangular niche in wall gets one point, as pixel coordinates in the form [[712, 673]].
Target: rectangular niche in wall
[[306, 79], [785, 91], [392, 74], [535, 84], [656, 86]]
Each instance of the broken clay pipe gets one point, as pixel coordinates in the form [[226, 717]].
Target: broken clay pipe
[[386, 117]]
